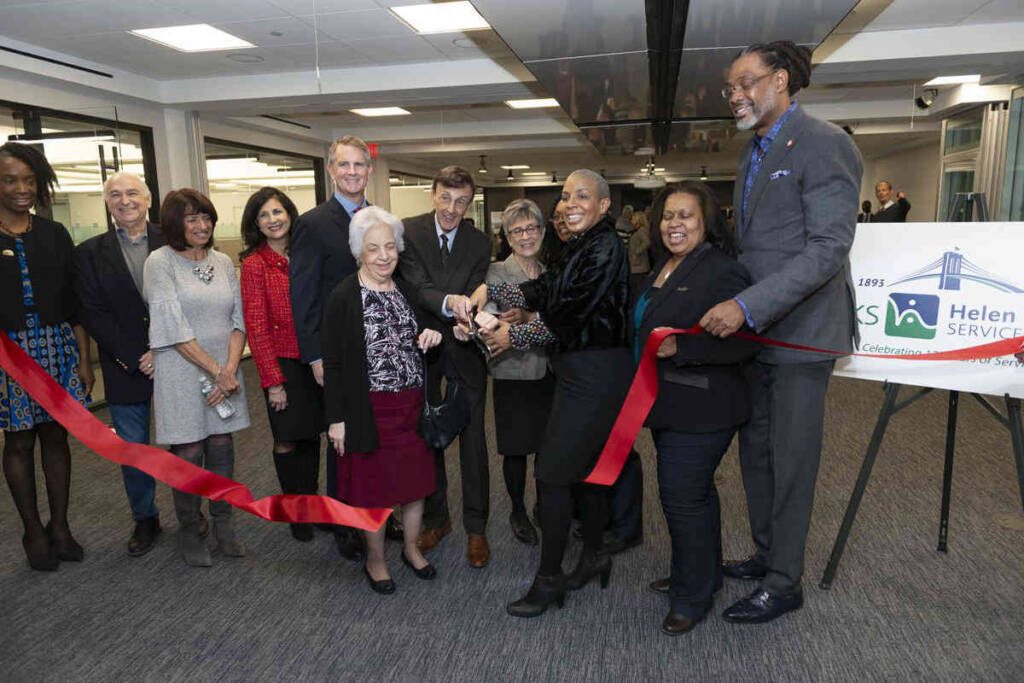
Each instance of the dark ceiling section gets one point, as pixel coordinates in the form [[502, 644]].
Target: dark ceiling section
[[636, 74]]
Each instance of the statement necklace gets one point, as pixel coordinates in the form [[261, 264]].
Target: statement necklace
[[204, 273]]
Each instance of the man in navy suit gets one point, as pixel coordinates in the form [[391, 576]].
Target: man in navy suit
[[320, 258], [109, 271], [796, 207]]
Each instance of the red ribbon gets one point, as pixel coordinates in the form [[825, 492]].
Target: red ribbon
[[644, 389], [166, 466]]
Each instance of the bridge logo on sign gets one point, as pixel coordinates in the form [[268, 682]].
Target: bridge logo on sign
[[912, 315], [952, 269]]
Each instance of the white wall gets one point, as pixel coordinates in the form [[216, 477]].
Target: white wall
[[410, 201], [914, 171]]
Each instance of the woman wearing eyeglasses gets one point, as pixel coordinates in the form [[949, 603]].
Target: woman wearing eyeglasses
[[522, 385]]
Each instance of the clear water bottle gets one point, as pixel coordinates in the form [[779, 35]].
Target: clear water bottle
[[224, 408]]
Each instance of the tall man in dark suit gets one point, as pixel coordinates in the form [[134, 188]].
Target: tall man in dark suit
[[320, 258], [796, 201], [890, 211], [109, 270], [445, 260]]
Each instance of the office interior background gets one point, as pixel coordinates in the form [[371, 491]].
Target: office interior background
[[932, 92]]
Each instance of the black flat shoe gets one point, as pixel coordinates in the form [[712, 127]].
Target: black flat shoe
[[427, 573], [144, 536], [302, 532], [747, 569], [522, 529], [761, 606], [40, 554], [384, 586], [591, 565], [67, 549], [544, 592], [660, 586], [676, 624]]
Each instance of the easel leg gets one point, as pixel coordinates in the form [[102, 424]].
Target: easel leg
[[947, 469], [1017, 439], [888, 408]]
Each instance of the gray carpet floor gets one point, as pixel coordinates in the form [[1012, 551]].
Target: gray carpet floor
[[290, 611]]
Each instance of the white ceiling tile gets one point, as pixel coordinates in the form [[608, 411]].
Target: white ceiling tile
[[301, 8], [997, 11], [472, 45], [397, 50], [86, 16], [211, 11], [909, 14], [365, 24], [333, 55], [292, 30]]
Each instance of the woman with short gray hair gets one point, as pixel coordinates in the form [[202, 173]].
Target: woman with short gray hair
[[373, 391], [522, 386]]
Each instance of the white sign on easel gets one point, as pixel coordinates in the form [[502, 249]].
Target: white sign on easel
[[924, 287]]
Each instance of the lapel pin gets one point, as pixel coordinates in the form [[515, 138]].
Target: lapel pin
[[790, 143], [8, 252]]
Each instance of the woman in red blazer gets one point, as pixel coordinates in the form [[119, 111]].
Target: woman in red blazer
[[294, 399]]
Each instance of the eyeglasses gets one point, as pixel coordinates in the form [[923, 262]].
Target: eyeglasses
[[745, 85], [525, 231]]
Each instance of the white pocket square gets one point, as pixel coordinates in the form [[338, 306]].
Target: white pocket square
[[782, 172]]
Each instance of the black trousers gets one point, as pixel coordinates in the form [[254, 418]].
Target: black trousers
[[556, 505], [627, 500], [689, 499], [476, 478], [780, 449]]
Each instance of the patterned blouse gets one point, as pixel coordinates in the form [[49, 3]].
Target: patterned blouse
[[392, 358], [525, 336]]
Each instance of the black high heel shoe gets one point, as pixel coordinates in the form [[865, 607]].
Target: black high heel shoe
[[427, 573], [545, 591], [384, 586], [37, 559], [591, 564], [67, 550]]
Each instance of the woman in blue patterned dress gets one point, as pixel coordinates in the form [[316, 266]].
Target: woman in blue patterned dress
[[37, 311]]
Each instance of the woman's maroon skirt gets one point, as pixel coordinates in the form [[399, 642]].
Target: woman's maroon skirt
[[401, 470]]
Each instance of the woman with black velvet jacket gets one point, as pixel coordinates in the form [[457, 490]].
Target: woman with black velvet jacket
[[581, 301], [702, 393]]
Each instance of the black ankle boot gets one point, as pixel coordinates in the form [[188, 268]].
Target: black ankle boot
[[544, 591], [592, 563]]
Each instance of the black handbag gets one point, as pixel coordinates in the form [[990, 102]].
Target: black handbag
[[440, 424]]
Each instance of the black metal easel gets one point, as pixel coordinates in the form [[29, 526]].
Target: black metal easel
[[962, 210]]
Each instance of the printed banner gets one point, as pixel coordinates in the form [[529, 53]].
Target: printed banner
[[927, 287]]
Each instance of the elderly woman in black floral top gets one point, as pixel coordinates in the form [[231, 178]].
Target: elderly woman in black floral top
[[373, 391]]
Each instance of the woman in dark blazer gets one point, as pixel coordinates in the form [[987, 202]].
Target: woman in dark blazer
[[373, 391], [38, 311], [702, 393], [581, 302]]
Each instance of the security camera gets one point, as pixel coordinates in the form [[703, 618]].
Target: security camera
[[926, 99]]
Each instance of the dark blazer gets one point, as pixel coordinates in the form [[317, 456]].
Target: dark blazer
[[466, 269], [702, 388], [320, 258], [115, 314], [897, 213], [796, 235], [50, 254], [346, 380], [583, 297]]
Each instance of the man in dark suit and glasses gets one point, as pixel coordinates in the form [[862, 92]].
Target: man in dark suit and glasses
[[445, 260], [320, 258], [796, 206], [109, 278]]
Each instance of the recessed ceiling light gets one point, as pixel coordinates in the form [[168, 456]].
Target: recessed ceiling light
[[381, 111], [954, 80], [515, 167], [193, 38], [536, 103], [441, 17], [535, 173]]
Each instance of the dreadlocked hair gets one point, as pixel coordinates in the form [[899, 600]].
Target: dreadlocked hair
[[794, 59]]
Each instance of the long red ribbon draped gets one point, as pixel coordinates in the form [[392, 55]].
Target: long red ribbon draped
[[644, 389], [166, 466]]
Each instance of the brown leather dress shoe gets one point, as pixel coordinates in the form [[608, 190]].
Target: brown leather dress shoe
[[429, 538], [676, 624], [477, 551]]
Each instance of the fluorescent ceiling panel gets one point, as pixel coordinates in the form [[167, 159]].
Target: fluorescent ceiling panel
[[515, 167], [193, 38], [381, 111], [955, 80], [538, 103], [442, 17]]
